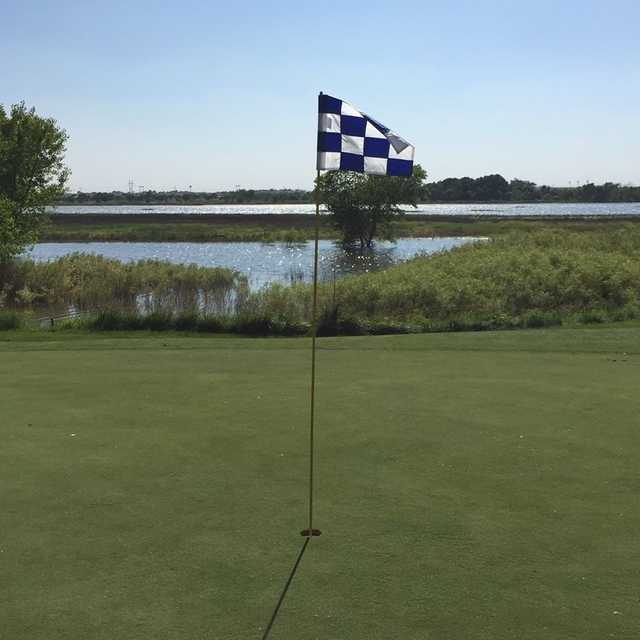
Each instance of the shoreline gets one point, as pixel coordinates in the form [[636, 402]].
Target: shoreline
[[311, 202], [295, 227]]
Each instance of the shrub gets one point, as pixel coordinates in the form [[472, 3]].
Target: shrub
[[10, 320], [593, 316], [251, 325], [537, 319], [186, 321], [159, 321], [332, 323], [211, 324], [113, 320]]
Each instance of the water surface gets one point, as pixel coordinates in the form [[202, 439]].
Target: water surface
[[262, 263], [533, 209]]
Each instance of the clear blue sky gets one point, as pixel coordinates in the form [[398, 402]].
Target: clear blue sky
[[218, 94]]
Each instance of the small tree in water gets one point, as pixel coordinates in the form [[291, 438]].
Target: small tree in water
[[365, 206], [32, 175]]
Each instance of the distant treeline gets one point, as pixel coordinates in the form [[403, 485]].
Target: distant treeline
[[492, 188], [495, 188], [239, 196]]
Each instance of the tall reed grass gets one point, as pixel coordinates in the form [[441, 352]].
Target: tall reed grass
[[91, 282], [520, 279], [517, 280]]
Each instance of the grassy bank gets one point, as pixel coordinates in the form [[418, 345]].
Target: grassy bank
[[525, 279], [516, 280], [183, 228], [477, 485], [290, 227], [176, 232]]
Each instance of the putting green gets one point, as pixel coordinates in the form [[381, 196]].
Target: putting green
[[471, 486]]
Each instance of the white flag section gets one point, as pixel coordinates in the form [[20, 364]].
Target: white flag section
[[349, 140]]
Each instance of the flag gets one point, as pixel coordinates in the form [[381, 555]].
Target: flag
[[349, 140]]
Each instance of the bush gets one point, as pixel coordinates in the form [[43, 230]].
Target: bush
[[537, 319], [331, 323], [10, 320], [211, 324], [390, 328], [187, 321], [593, 316], [261, 325], [113, 321], [159, 321]]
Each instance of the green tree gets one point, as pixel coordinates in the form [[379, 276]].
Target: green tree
[[523, 191], [492, 188], [32, 175], [365, 206]]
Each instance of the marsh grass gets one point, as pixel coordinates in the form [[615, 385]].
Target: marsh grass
[[300, 227], [175, 232], [90, 282], [523, 279], [517, 280]]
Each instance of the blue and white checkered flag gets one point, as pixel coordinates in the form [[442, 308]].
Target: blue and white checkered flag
[[349, 140]]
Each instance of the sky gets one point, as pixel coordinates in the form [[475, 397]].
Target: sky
[[223, 94]]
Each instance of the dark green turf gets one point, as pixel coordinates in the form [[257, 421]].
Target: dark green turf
[[470, 486]]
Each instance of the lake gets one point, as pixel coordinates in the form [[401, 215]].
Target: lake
[[262, 263], [534, 209]]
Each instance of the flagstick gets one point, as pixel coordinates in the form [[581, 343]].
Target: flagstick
[[314, 331], [310, 532]]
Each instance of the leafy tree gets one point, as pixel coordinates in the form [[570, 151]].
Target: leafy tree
[[363, 206], [523, 191], [453, 190], [32, 175], [493, 188]]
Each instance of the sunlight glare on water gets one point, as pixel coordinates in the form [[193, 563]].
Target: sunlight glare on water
[[527, 209], [262, 263]]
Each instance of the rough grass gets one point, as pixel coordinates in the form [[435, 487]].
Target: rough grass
[[174, 232], [524, 279], [470, 486], [520, 279], [95, 282]]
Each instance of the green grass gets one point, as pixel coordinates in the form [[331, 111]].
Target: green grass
[[436, 226], [95, 282], [515, 280], [175, 232], [471, 485], [293, 228]]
